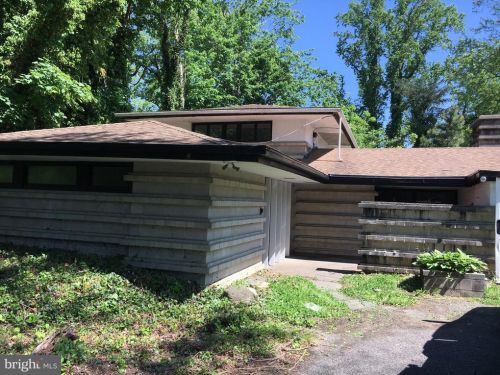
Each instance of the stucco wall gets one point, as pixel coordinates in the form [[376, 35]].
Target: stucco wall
[[187, 217]]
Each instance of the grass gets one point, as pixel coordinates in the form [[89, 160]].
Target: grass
[[491, 295], [386, 289], [144, 320]]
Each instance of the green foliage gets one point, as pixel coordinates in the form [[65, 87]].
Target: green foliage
[[362, 48], [288, 296], [128, 318], [61, 53], [403, 35], [473, 71], [450, 130], [491, 295], [387, 289], [450, 261]]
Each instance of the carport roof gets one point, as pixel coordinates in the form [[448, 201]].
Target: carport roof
[[406, 163], [145, 139]]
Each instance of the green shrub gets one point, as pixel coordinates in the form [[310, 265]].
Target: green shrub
[[450, 261]]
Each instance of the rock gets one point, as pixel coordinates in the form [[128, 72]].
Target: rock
[[312, 306], [259, 284], [241, 294]]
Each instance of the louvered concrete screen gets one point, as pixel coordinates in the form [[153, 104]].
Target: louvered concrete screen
[[325, 219], [395, 233]]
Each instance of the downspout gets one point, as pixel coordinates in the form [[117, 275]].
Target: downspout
[[497, 231], [339, 156]]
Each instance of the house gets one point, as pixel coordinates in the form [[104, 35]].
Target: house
[[218, 193]]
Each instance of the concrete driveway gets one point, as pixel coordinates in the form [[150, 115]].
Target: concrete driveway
[[436, 336]]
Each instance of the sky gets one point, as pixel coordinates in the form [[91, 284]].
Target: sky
[[319, 25]]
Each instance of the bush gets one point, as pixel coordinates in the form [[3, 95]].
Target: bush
[[451, 261]]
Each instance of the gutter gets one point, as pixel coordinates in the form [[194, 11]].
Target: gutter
[[452, 181]]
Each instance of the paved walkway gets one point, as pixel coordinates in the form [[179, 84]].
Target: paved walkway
[[436, 336]]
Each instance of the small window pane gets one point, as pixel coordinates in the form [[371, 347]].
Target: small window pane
[[264, 130], [248, 132], [6, 174], [215, 130], [200, 128], [51, 175], [109, 177]]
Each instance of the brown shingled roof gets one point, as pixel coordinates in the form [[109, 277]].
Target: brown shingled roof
[[144, 132], [407, 162]]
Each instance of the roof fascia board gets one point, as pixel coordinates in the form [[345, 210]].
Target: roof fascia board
[[401, 181], [221, 112], [249, 153]]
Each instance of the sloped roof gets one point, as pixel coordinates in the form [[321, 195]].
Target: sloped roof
[[407, 162], [144, 132]]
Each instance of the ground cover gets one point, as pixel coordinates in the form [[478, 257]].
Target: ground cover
[[386, 289], [135, 321]]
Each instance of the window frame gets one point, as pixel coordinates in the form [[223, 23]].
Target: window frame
[[84, 176], [238, 125]]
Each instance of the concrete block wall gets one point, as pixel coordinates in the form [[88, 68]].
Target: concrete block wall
[[395, 233], [194, 218], [325, 219]]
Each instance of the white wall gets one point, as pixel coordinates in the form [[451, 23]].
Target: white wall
[[286, 128]]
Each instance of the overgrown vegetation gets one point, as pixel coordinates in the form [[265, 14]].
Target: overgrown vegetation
[[386, 289], [492, 295], [141, 319], [450, 261]]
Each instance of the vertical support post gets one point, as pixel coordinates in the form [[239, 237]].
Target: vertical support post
[[340, 139], [497, 230]]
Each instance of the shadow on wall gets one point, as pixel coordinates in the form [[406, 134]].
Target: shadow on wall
[[469, 345]]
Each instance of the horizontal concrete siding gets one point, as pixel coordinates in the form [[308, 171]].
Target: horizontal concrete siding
[[325, 219], [193, 218]]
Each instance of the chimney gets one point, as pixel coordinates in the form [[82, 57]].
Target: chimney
[[486, 131]]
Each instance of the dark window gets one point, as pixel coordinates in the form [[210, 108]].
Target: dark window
[[66, 176], [52, 175], [417, 195], [6, 174], [110, 177], [258, 131]]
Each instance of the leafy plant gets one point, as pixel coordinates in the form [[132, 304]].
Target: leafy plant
[[450, 261]]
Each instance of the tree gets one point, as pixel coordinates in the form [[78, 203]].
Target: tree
[[58, 50], [423, 97], [414, 28], [232, 52], [450, 130], [473, 68], [362, 48], [404, 35]]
